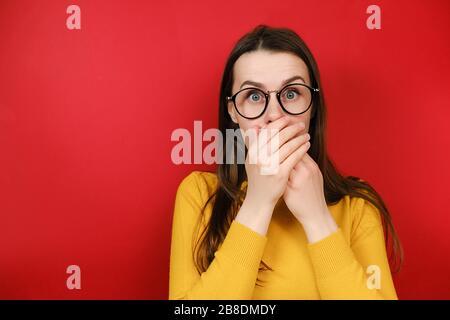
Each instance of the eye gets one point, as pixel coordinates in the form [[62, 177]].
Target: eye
[[255, 96], [291, 94]]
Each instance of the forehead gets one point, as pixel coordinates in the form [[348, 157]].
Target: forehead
[[269, 68]]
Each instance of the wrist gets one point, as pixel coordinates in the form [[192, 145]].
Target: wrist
[[319, 226], [255, 215], [258, 202], [258, 207]]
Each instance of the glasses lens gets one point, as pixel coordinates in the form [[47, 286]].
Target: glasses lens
[[296, 98], [250, 102]]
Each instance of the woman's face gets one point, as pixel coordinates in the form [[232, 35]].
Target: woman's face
[[271, 70]]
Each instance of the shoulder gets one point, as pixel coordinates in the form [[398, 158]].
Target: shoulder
[[362, 213], [355, 212], [197, 187], [358, 209]]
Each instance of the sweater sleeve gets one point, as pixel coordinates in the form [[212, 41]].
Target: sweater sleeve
[[233, 271], [359, 270]]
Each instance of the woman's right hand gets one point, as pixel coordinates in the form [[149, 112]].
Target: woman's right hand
[[265, 188]]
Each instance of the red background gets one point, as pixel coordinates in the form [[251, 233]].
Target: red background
[[86, 117]]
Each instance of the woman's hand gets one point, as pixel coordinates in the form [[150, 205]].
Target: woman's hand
[[264, 190], [269, 174], [305, 198]]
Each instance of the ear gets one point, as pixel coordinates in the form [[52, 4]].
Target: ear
[[232, 112]]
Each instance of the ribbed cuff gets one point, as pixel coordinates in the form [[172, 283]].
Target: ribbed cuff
[[243, 246], [330, 255]]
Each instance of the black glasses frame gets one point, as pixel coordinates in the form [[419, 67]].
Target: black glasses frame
[[267, 95]]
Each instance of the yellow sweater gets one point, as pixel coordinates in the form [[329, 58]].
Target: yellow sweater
[[344, 265]]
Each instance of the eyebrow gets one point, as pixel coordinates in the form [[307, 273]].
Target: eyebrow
[[260, 85]]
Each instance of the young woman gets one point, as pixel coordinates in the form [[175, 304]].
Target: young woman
[[304, 232]]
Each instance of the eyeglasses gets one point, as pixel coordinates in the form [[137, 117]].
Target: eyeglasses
[[294, 99]]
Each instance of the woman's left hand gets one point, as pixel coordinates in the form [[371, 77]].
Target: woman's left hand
[[305, 198]]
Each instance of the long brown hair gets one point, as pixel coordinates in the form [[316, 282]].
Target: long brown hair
[[229, 194]]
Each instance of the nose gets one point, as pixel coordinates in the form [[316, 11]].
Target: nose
[[274, 110]]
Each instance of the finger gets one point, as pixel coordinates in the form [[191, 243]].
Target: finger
[[297, 175], [268, 131], [285, 135], [289, 163], [250, 135], [309, 162], [269, 147], [266, 144], [289, 147], [248, 139]]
